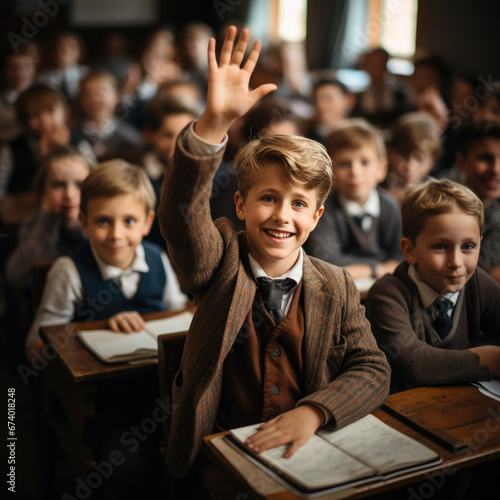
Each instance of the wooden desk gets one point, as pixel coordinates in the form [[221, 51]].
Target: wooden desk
[[73, 379], [14, 208], [460, 411]]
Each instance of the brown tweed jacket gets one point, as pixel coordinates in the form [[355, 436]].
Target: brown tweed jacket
[[345, 371]]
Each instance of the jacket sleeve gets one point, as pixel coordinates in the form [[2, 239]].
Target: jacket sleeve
[[194, 245], [362, 383]]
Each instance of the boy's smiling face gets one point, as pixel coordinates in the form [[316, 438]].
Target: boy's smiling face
[[116, 226], [446, 251], [279, 217]]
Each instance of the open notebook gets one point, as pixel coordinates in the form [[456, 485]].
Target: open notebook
[[364, 451], [113, 347]]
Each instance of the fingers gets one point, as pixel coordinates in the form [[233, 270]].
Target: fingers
[[262, 91], [127, 322], [227, 47], [241, 48]]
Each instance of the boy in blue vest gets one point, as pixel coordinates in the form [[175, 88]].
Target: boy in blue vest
[[114, 274]]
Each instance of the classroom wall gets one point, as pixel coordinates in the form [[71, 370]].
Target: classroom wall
[[464, 33]]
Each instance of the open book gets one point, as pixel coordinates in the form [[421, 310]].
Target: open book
[[112, 347], [364, 451]]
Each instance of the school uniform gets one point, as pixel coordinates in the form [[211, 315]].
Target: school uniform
[[397, 307], [335, 364], [82, 287], [350, 234]]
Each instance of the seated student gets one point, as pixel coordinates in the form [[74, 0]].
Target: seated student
[[109, 136], [478, 161], [20, 68], [383, 101], [361, 227], [66, 71], [321, 363], [42, 112], [428, 315], [332, 101], [116, 212], [413, 150], [53, 229], [164, 121]]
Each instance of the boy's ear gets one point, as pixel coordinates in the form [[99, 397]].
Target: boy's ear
[[83, 222], [240, 205], [317, 216], [149, 222], [382, 171], [408, 250]]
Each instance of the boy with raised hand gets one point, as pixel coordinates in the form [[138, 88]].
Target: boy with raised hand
[[297, 360], [428, 314]]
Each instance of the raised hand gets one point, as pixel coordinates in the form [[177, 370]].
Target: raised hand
[[228, 96]]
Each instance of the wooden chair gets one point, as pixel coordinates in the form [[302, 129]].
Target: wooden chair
[[170, 347]]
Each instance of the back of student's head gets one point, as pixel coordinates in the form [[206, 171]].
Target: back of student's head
[[161, 107], [114, 178], [436, 197], [100, 75], [62, 154], [473, 132], [415, 133], [303, 160], [269, 114], [37, 98], [355, 133]]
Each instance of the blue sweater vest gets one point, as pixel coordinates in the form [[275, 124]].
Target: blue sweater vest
[[103, 298]]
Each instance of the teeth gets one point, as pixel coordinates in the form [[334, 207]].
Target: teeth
[[278, 235]]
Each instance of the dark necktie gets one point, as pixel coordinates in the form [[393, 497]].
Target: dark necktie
[[65, 87], [272, 295], [359, 219], [438, 311]]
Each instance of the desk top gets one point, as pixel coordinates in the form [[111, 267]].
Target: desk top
[[460, 411], [81, 364], [15, 208]]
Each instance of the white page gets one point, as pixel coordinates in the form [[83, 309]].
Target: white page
[[173, 324], [315, 464], [111, 344], [378, 445]]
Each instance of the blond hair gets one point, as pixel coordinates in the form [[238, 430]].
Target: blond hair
[[355, 133], [435, 197], [303, 160], [114, 178]]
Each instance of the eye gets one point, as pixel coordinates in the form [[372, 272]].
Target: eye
[[365, 162], [102, 221], [468, 246], [267, 199], [57, 185], [130, 221], [439, 246], [299, 204]]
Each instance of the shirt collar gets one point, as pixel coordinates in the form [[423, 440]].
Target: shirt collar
[[295, 272], [426, 293], [371, 206], [153, 165], [102, 132], [108, 272]]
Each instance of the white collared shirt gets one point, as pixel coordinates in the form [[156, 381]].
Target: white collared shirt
[[295, 273], [64, 291], [427, 294], [371, 207]]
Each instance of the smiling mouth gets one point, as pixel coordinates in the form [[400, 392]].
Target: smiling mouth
[[278, 234]]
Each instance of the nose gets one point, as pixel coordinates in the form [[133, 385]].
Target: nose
[[454, 259], [114, 231], [281, 213]]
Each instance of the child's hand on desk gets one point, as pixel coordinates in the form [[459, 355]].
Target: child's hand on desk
[[127, 321], [228, 96], [294, 427], [489, 355]]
